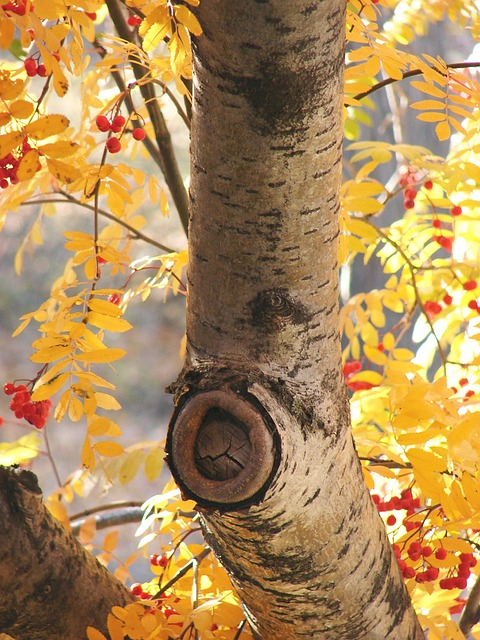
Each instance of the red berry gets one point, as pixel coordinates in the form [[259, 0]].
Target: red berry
[[408, 572], [9, 388], [133, 21], [391, 520], [113, 145], [162, 561], [114, 298], [470, 285], [410, 194], [473, 304], [4, 183], [463, 570], [428, 184], [432, 573], [437, 223], [103, 123], [30, 67], [153, 559], [117, 124], [447, 299], [409, 204], [463, 382], [92, 16], [426, 551], [42, 71], [441, 553], [139, 134], [456, 210], [460, 583], [136, 589], [446, 243], [432, 308]]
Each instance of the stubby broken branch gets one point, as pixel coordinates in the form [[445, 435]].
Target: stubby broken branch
[[51, 587]]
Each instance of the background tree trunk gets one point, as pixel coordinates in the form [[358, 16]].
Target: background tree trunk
[[51, 587], [261, 436]]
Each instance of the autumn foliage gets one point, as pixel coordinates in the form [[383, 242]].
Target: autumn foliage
[[414, 409]]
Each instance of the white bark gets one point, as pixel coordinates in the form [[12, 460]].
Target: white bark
[[307, 551]]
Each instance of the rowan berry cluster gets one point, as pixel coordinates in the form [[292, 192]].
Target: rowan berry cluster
[[409, 181], [350, 368], [157, 560], [36, 413], [433, 308], [19, 7], [116, 125], [34, 69], [418, 559], [9, 164]]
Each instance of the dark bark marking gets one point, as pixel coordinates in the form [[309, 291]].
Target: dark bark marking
[[314, 497]]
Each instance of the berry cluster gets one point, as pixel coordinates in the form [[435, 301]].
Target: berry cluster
[[157, 560], [350, 368], [418, 559], [433, 307], [34, 69], [409, 181], [9, 164], [116, 125], [36, 413], [19, 7]]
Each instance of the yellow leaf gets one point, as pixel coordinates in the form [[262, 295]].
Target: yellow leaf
[[94, 634], [60, 149], [426, 461], [431, 89], [443, 130], [109, 323], [46, 126], [104, 307], [431, 116], [62, 171], [4, 118], [78, 241], [110, 541], [51, 354], [154, 463], [88, 456], [99, 426], [374, 355], [106, 401], [129, 468], [428, 104], [9, 141], [7, 31], [75, 409], [108, 448], [28, 165], [101, 355], [186, 17], [22, 450], [47, 389], [21, 109]]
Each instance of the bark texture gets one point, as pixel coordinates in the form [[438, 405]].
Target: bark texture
[[262, 413], [51, 587]]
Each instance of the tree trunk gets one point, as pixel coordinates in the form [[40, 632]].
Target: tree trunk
[[51, 588], [260, 436]]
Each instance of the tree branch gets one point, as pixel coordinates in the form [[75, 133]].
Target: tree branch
[[106, 214], [170, 168], [411, 74], [51, 587], [471, 613]]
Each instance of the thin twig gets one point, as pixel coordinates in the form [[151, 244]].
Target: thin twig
[[411, 74], [105, 520], [67, 198], [118, 504], [182, 571]]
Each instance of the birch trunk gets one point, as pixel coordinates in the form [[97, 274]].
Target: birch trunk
[[260, 436]]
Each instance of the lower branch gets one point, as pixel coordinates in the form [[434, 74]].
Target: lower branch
[[51, 588]]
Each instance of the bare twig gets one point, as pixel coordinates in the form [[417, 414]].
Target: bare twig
[[411, 74], [105, 520], [66, 197]]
